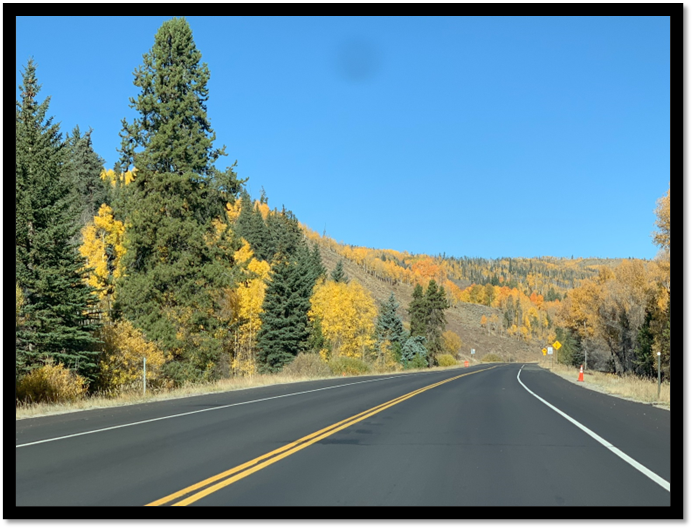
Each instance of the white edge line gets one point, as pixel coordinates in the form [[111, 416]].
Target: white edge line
[[210, 409], [654, 477]]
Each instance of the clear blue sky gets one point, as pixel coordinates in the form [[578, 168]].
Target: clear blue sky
[[484, 137]]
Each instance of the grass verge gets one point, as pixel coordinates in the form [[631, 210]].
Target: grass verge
[[628, 386], [134, 395]]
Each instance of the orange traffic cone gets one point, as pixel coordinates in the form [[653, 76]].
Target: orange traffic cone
[[343, 374], [466, 363], [580, 377]]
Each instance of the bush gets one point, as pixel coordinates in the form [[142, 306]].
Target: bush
[[419, 362], [349, 366], [446, 360], [51, 383], [120, 363], [307, 365], [491, 357]]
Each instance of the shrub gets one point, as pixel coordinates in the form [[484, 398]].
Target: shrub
[[446, 360], [419, 362], [51, 383], [124, 346], [349, 366], [492, 357], [452, 343], [307, 365]]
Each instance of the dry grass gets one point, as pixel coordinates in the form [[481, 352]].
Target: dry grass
[[629, 386], [134, 394]]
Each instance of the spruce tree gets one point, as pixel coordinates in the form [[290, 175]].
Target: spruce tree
[[58, 314], [389, 326], [285, 329], [435, 303], [84, 168], [417, 312], [174, 274], [338, 275]]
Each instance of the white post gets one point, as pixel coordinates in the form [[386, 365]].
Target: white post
[[144, 375], [659, 372]]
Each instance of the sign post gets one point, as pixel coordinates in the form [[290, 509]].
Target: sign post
[[551, 355], [659, 372], [144, 375]]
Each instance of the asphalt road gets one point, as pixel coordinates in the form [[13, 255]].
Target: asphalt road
[[481, 439]]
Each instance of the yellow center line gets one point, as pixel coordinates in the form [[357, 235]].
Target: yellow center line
[[286, 450]]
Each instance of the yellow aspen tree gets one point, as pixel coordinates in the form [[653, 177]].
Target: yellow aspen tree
[[102, 247], [251, 295], [121, 360], [347, 314]]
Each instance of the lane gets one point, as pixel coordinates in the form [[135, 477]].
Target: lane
[[141, 463], [478, 441], [640, 430]]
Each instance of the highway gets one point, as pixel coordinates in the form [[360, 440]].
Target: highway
[[488, 435]]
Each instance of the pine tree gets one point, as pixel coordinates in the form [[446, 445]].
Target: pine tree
[[84, 168], [285, 329], [417, 312], [435, 303], [58, 313], [389, 326], [338, 274], [176, 264]]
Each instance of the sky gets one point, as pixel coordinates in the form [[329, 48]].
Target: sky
[[471, 136]]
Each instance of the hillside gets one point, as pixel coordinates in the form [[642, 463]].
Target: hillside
[[463, 319]]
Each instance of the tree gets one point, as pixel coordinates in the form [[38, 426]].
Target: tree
[[346, 313], [285, 329], [435, 303], [338, 274], [390, 334], [173, 274], [417, 312], [84, 169], [663, 236], [59, 314], [414, 352]]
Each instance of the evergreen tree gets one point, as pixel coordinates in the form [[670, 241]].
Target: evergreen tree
[[338, 274], [251, 226], [643, 361], [417, 312], [414, 352], [176, 264], [84, 168], [389, 326], [435, 303], [58, 312], [284, 233], [285, 329]]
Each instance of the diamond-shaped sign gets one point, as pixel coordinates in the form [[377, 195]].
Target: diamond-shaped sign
[[556, 345]]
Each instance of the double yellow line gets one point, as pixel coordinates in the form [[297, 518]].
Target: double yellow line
[[213, 484]]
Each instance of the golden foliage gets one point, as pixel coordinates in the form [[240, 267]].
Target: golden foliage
[[250, 295], [102, 237], [347, 313], [663, 222], [123, 350], [51, 383], [446, 360], [123, 178], [452, 343]]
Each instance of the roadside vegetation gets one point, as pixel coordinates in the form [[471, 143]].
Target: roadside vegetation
[[166, 260], [630, 386]]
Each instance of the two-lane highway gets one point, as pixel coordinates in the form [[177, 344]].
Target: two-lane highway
[[474, 436]]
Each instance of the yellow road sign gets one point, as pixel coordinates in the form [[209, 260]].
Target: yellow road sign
[[544, 351], [556, 344]]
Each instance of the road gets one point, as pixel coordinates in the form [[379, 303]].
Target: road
[[476, 436]]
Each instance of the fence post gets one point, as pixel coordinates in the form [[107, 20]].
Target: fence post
[[659, 372]]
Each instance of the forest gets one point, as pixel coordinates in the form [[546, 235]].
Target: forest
[[167, 259]]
